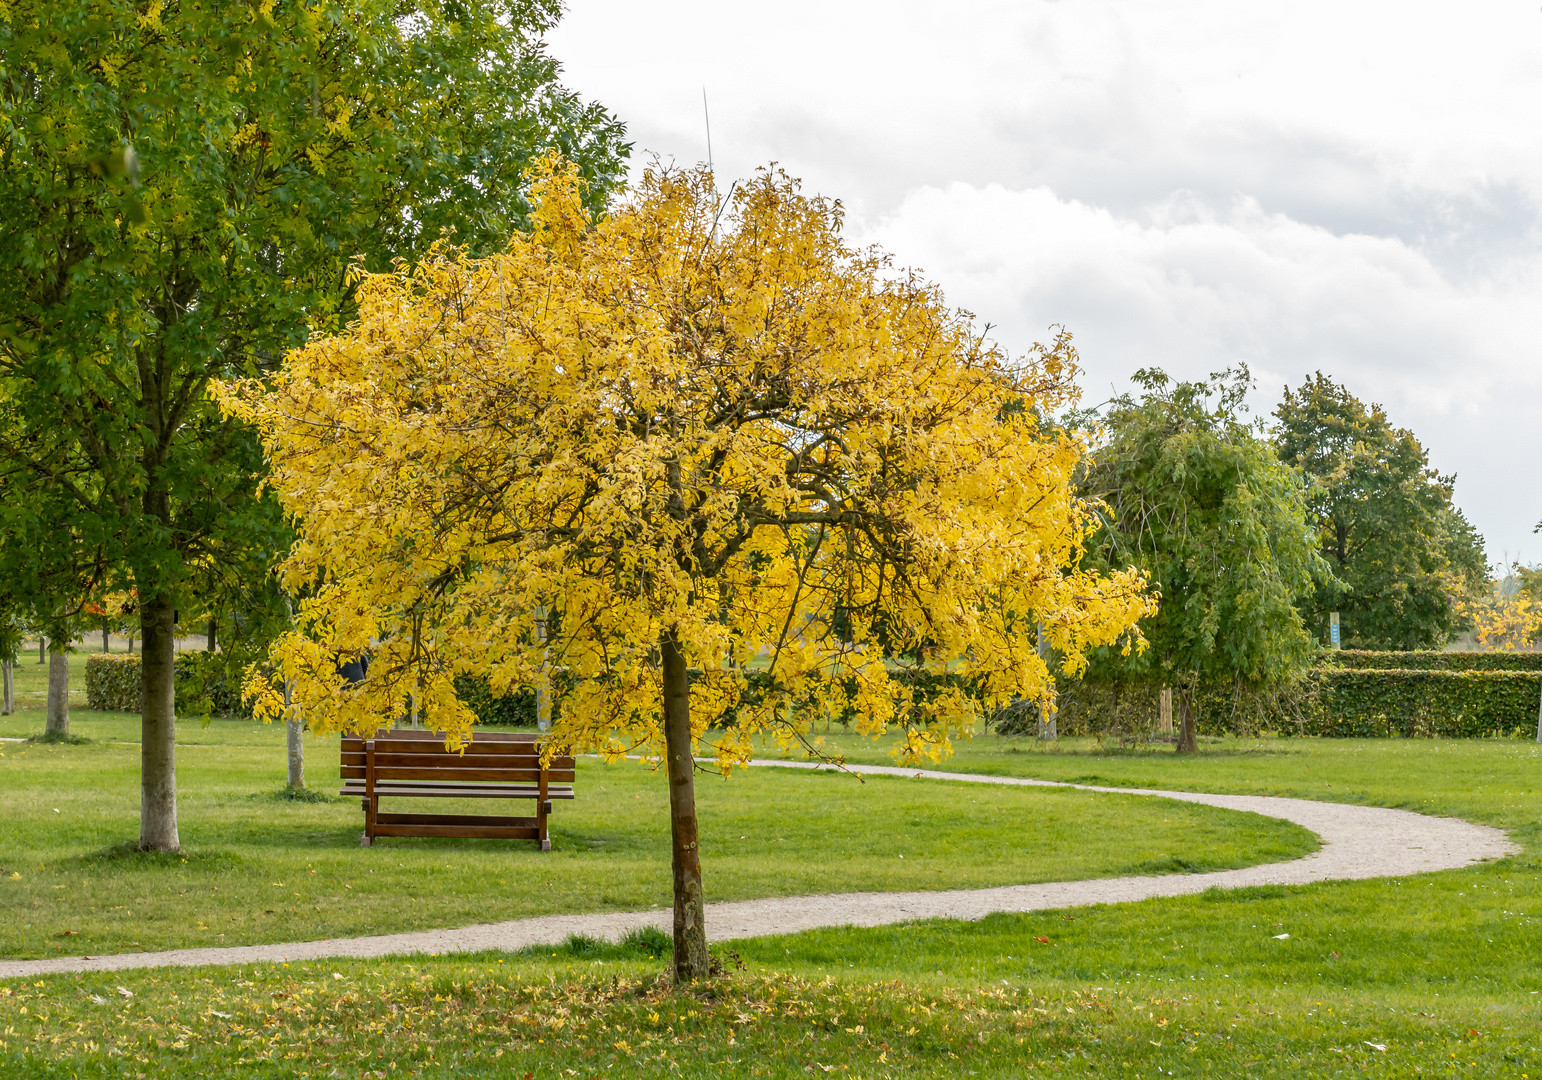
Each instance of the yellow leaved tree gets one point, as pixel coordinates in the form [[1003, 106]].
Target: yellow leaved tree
[[713, 469]]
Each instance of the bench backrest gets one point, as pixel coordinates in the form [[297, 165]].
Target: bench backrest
[[420, 755]]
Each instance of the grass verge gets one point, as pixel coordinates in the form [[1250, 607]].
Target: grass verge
[[261, 865]]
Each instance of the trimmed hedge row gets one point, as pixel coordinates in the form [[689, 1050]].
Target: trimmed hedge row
[[207, 684], [113, 683], [1429, 660], [1453, 704]]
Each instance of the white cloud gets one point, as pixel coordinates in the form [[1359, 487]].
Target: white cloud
[[1344, 185]]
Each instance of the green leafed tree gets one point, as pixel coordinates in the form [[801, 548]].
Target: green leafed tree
[[1385, 521], [1193, 494], [183, 186]]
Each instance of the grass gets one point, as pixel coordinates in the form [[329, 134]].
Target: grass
[[1433, 975], [260, 865]]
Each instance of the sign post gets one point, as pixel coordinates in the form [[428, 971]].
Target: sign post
[[1333, 629]]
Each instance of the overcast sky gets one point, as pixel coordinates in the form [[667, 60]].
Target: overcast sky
[[1348, 187]]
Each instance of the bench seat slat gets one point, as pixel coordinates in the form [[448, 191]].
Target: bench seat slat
[[427, 789], [386, 771], [554, 776]]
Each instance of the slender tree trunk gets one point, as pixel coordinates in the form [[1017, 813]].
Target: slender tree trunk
[[106, 644], [9, 704], [58, 689], [295, 735], [131, 643], [42, 650], [1187, 743], [213, 640], [691, 959], [158, 739]]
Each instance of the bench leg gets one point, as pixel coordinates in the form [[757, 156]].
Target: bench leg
[[365, 840], [542, 811]]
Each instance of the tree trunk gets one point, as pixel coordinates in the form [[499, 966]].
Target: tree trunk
[[158, 738], [58, 689], [106, 645], [1187, 743], [9, 702], [691, 959], [295, 733], [131, 644], [1165, 710], [213, 640], [42, 650]]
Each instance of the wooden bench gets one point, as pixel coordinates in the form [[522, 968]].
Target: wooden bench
[[415, 765]]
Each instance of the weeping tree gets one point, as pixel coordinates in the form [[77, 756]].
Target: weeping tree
[[1193, 494], [646, 450]]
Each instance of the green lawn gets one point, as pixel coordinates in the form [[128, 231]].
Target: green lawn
[[260, 868], [1440, 970]]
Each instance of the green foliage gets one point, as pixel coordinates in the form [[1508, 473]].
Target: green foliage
[[1451, 704], [1194, 495], [515, 709], [182, 191], [113, 683], [207, 684], [1400, 550], [1430, 660]]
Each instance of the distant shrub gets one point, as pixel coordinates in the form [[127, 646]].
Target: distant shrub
[[1429, 660], [207, 684], [113, 683]]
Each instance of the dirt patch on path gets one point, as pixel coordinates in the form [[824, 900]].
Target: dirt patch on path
[[1357, 842]]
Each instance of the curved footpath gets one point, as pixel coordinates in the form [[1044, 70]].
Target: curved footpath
[[1357, 842]]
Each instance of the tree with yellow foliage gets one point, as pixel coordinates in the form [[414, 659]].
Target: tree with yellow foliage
[[652, 453]]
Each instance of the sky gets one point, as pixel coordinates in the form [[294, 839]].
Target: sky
[[1352, 188]]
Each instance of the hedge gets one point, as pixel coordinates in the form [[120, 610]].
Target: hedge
[[112, 683], [207, 684], [1453, 704], [1429, 660]]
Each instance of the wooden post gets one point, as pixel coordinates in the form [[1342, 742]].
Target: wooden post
[[543, 808], [9, 703], [1333, 629], [1165, 710], [1539, 715], [371, 800]]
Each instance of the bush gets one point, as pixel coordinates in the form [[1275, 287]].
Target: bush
[[112, 683], [1454, 704], [207, 684], [516, 709], [1428, 660]]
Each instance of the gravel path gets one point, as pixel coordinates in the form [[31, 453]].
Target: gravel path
[[1357, 842]]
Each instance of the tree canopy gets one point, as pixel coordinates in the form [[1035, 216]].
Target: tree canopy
[[1196, 497], [182, 189], [653, 451], [1403, 556]]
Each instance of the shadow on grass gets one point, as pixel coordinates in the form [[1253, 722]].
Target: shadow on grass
[[298, 795], [128, 855]]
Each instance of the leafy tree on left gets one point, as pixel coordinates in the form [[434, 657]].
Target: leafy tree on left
[[182, 188]]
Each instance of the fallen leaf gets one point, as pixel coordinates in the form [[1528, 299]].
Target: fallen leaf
[[1281, 937], [125, 991], [1377, 1046]]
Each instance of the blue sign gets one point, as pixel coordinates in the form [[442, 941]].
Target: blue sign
[[1333, 634]]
